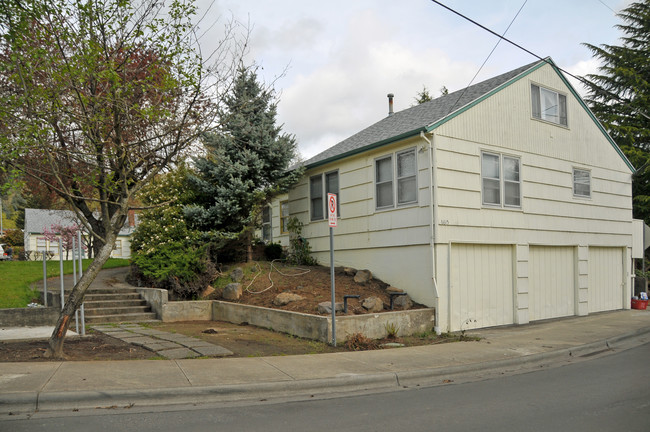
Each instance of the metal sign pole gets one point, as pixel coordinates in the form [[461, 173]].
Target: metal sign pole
[[45, 278], [61, 273], [74, 283], [81, 273], [331, 214]]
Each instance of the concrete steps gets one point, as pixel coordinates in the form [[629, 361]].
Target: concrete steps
[[114, 305]]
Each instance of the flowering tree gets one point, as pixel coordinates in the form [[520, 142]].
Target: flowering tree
[[97, 98], [67, 235]]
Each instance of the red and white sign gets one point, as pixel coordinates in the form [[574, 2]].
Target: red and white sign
[[331, 209]]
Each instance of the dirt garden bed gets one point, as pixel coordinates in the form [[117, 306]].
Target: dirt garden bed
[[262, 283]]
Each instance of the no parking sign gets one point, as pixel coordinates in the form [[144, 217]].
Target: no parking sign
[[331, 209]]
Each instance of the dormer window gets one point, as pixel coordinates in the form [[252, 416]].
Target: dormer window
[[548, 105]]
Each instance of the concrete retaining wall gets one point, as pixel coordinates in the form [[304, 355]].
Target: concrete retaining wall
[[374, 325], [156, 298], [200, 310], [29, 317], [294, 323]]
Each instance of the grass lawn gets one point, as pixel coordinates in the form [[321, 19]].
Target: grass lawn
[[17, 276]]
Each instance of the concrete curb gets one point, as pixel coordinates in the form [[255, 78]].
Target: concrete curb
[[26, 402]]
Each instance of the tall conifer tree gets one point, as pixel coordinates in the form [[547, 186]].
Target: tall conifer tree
[[619, 95]]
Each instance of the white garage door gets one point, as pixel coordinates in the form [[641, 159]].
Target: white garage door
[[551, 282], [605, 279], [481, 286]]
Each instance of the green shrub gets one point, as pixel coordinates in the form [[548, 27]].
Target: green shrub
[[273, 251]]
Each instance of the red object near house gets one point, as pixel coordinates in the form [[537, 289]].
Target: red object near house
[[639, 304]]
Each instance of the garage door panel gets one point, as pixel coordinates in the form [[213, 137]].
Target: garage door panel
[[605, 280], [551, 282], [482, 286]]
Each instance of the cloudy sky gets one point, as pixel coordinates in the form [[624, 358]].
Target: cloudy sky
[[342, 57]]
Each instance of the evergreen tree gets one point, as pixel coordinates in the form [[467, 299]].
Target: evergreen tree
[[247, 163], [423, 96], [619, 95]]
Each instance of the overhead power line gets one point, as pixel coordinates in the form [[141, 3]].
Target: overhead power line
[[581, 79]]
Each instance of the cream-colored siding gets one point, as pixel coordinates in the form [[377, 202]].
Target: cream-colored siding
[[605, 279], [477, 262], [481, 286], [361, 228], [552, 281]]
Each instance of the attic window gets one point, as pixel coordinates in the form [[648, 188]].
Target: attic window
[[548, 105], [581, 183]]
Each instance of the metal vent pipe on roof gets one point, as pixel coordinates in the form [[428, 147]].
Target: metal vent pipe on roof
[[390, 103]]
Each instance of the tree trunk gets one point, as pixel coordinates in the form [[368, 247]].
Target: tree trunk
[[76, 298]]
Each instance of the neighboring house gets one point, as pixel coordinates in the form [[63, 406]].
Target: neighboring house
[[503, 203], [37, 220]]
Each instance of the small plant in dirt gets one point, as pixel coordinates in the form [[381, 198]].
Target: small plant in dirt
[[391, 330], [299, 248], [273, 251], [359, 342]]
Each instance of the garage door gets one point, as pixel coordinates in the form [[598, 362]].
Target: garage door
[[551, 282], [605, 279], [481, 286]]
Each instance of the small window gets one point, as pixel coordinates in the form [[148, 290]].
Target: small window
[[319, 186], [396, 183], [284, 217], [581, 183], [501, 180], [316, 197], [548, 105], [266, 225], [41, 244], [384, 181]]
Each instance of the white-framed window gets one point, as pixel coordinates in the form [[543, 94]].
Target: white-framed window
[[267, 231], [581, 183], [41, 244], [284, 217], [548, 105], [396, 182], [500, 180], [319, 186]]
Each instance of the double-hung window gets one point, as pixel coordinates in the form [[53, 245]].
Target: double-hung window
[[267, 233], [284, 217], [548, 105], [501, 180], [396, 182], [319, 186], [581, 183]]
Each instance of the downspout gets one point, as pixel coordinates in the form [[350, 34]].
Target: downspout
[[433, 225]]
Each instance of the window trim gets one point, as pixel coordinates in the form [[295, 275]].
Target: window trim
[[324, 192], [268, 224], [536, 110], [502, 181], [395, 180], [573, 179]]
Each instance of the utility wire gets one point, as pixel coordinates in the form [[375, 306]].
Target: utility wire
[[581, 79], [488, 57]]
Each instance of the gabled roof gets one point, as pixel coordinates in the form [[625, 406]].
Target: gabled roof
[[429, 115], [36, 220]]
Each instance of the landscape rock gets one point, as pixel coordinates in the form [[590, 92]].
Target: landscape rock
[[373, 304], [326, 307], [285, 298], [403, 302], [232, 291], [237, 274], [362, 276], [210, 331], [392, 289], [207, 291], [349, 271]]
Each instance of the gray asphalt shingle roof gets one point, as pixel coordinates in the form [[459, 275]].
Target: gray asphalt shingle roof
[[412, 120]]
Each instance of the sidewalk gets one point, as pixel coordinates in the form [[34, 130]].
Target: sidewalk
[[49, 386]]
